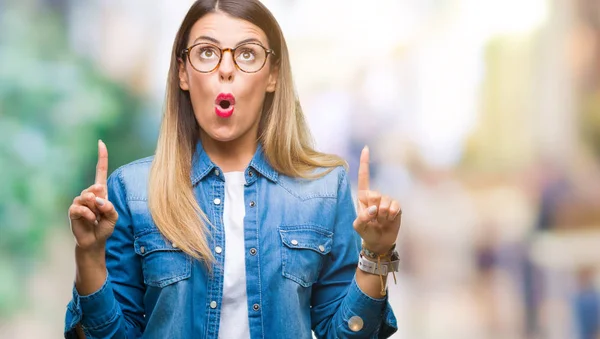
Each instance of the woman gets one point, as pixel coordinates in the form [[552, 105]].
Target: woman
[[236, 228]]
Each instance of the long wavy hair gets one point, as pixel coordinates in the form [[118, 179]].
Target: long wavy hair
[[283, 134]]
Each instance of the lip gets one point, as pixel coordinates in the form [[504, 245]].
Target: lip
[[224, 112], [225, 96]]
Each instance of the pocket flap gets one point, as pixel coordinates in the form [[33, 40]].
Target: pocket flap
[[151, 242], [307, 237]]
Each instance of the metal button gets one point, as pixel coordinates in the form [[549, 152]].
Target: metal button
[[174, 245], [250, 173], [252, 203], [355, 323], [217, 172], [253, 251], [218, 249], [213, 304], [143, 249], [321, 248], [294, 242], [256, 307], [217, 201]]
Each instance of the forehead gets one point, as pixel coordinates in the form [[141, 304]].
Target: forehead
[[226, 29]]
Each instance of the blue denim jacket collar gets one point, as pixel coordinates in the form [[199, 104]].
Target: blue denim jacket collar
[[202, 165]]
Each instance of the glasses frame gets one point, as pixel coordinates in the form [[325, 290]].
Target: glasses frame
[[186, 53]]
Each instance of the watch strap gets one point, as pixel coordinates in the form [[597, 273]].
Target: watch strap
[[382, 268]]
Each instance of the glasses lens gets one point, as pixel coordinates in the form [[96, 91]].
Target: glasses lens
[[250, 57], [205, 57]]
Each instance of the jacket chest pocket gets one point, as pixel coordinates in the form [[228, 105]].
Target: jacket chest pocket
[[162, 263], [303, 250]]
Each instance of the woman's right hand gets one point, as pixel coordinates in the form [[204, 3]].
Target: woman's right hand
[[91, 215]]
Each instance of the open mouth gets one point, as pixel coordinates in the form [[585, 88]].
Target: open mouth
[[224, 105]]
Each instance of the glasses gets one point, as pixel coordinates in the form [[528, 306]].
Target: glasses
[[249, 57]]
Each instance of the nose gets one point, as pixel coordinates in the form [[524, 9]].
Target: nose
[[227, 67]]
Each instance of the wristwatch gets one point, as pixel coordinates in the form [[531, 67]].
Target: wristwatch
[[384, 268]]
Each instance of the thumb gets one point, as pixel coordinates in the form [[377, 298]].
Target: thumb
[[364, 216], [108, 210]]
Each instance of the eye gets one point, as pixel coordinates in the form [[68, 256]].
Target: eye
[[247, 55], [207, 53]]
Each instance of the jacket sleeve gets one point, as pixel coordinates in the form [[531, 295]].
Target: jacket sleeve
[[339, 308], [116, 309]]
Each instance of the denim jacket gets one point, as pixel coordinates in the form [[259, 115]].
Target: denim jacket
[[301, 259]]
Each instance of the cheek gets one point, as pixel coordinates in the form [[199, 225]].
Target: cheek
[[200, 91], [256, 91], [200, 83]]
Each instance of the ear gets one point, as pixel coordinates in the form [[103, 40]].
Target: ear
[[183, 77], [273, 76]]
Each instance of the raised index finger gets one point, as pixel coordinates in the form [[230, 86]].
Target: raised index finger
[[102, 166], [363, 170]]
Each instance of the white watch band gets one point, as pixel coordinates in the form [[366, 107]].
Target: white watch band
[[371, 267]]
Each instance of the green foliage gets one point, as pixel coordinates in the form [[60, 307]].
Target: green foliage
[[590, 121], [54, 105]]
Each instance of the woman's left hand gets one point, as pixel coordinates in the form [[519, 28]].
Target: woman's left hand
[[379, 216]]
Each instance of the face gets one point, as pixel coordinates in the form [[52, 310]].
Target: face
[[210, 92]]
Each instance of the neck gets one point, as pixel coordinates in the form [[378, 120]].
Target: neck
[[230, 156]]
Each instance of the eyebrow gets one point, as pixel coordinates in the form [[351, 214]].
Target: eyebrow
[[213, 40]]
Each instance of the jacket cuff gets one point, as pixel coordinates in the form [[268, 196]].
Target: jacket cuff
[[93, 311], [362, 314]]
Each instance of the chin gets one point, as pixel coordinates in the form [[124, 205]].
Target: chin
[[221, 135]]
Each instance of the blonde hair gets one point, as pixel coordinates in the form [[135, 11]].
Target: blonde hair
[[283, 134]]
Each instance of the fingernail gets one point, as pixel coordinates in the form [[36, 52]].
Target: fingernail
[[99, 201], [372, 210]]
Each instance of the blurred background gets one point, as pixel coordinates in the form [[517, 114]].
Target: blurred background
[[483, 118]]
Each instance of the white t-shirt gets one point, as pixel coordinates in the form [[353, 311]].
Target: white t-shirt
[[234, 308]]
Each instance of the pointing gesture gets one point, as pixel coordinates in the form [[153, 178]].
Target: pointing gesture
[[102, 168], [378, 220], [92, 216]]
